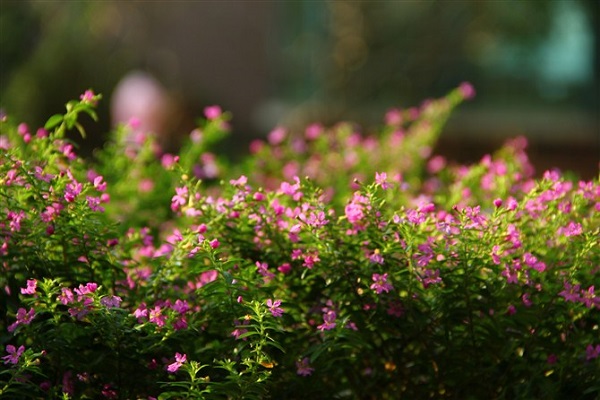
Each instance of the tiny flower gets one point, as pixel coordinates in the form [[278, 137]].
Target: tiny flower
[[276, 311], [66, 296], [168, 160], [181, 306], [156, 316], [24, 317], [381, 180], [380, 283], [393, 117], [303, 367], [31, 287], [212, 112], [284, 268], [277, 136], [241, 181], [111, 301], [328, 321], [592, 352], [179, 360], [13, 354], [214, 243], [88, 97], [313, 131], [467, 90]]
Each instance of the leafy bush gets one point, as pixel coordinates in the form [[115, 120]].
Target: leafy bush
[[327, 265]]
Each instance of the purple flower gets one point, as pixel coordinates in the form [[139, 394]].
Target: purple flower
[[381, 284], [530, 260], [467, 90], [13, 354], [303, 367], [179, 360], [570, 292], [24, 317], [381, 180], [592, 352], [212, 112], [31, 287], [274, 307], [72, 190], [328, 321], [180, 198], [111, 301], [180, 306], [66, 296], [156, 316], [89, 97]]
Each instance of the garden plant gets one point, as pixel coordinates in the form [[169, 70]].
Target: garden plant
[[328, 264]]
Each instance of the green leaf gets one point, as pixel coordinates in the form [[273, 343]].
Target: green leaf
[[53, 121]]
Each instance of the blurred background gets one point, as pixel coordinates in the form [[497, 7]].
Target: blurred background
[[534, 63]]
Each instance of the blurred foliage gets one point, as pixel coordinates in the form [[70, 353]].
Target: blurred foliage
[[333, 59]]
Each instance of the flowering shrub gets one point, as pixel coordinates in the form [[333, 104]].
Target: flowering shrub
[[328, 265]]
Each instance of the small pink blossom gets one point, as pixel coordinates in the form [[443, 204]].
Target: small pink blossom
[[89, 97], [303, 367], [31, 287], [179, 360], [467, 90], [393, 117], [328, 321], [212, 112], [592, 352], [381, 284], [381, 180], [13, 354], [277, 136], [313, 131], [24, 317], [111, 301], [276, 311]]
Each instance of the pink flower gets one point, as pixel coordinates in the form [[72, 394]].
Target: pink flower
[[436, 164], [277, 136], [179, 360], [531, 261], [24, 317], [13, 354], [89, 97], [156, 316], [168, 160], [328, 321], [284, 268], [313, 131], [276, 311], [66, 296], [212, 112], [180, 198], [393, 117], [572, 229], [381, 284], [571, 293], [31, 287], [111, 301], [467, 90], [592, 352], [381, 180], [241, 181], [303, 367]]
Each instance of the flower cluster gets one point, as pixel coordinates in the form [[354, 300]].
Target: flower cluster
[[313, 267]]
